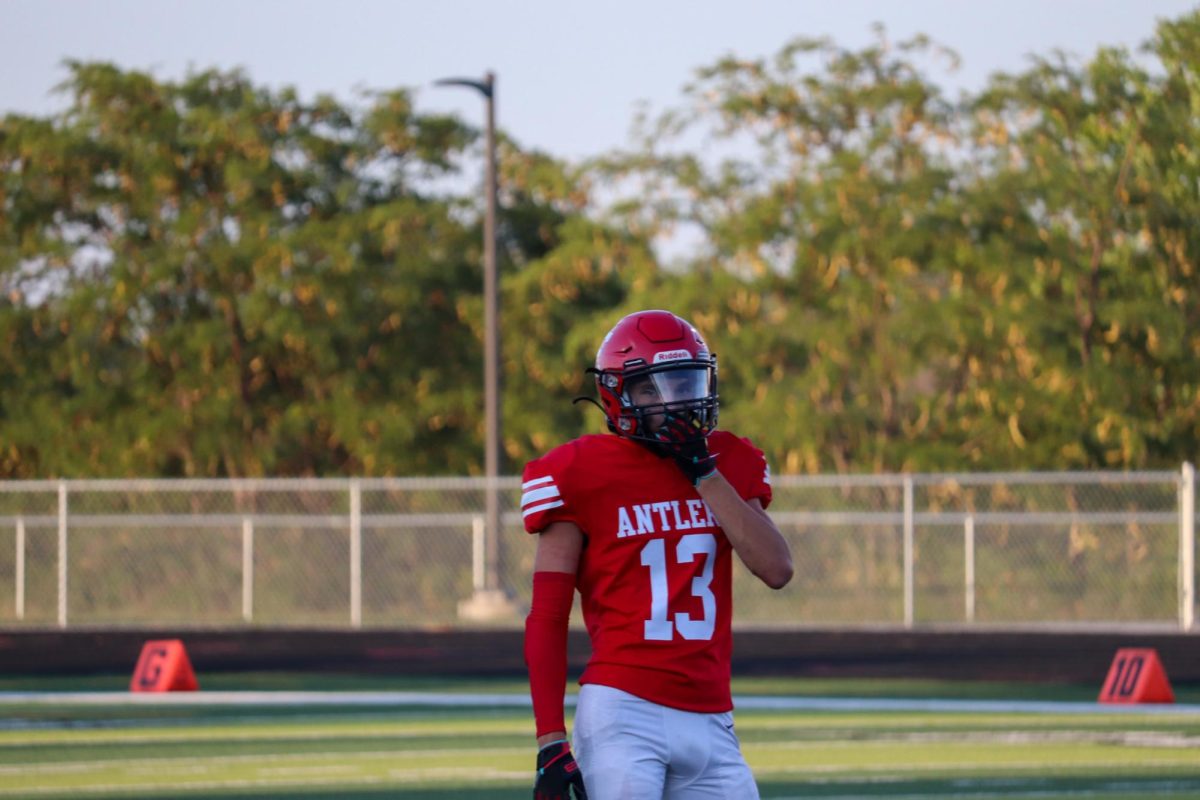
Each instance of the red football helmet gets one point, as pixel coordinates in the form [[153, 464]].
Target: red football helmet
[[653, 362]]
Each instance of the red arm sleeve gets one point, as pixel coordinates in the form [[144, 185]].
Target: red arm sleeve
[[546, 647]]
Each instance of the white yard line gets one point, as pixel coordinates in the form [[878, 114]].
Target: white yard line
[[1032, 794], [169, 762], [909, 770], [474, 775], [495, 700], [258, 698]]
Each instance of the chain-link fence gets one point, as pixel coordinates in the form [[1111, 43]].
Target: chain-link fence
[[902, 550]]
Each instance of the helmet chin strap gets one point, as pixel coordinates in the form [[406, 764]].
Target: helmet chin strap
[[607, 421], [585, 399]]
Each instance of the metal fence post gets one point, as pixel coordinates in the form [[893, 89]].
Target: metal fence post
[[909, 599], [969, 563], [1187, 547], [478, 550], [20, 569], [355, 553], [62, 554], [247, 569]]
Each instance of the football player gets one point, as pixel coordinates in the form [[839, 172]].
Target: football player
[[644, 523]]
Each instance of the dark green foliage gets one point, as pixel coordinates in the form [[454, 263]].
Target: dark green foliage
[[208, 278], [1003, 281]]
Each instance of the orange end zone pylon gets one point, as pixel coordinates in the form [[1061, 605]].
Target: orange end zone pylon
[[1136, 676], [163, 667]]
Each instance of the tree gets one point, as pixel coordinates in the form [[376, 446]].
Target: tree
[[828, 236], [208, 278], [909, 283], [1087, 212]]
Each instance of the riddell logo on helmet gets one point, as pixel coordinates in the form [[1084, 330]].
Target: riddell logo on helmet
[[671, 355]]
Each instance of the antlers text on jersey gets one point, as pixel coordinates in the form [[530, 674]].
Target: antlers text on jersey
[[663, 516]]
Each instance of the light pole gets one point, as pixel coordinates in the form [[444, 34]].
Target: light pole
[[490, 600]]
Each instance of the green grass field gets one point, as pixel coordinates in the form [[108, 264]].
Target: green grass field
[[160, 749]]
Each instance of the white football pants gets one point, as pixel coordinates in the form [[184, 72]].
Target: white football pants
[[632, 749]]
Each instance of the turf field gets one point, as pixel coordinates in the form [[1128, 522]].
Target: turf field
[[473, 740]]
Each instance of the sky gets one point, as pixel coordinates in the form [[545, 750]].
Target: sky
[[570, 76]]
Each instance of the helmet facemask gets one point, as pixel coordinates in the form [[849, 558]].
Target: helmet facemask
[[648, 396]]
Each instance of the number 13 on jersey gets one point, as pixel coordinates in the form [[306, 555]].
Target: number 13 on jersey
[[654, 556]]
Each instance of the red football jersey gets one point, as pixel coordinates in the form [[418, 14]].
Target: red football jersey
[[656, 569]]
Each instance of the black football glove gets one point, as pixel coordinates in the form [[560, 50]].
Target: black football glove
[[682, 440], [558, 774]]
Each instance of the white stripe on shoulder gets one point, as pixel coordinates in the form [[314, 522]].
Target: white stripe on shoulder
[[544, 493], [537, 482], [542, 507]]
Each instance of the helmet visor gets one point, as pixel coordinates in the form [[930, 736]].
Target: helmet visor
[[666, 387]]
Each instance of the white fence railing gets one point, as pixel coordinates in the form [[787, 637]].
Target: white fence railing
[[1068, 548]]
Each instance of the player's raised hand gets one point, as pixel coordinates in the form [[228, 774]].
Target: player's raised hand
[[683, 440], [557, 774]]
